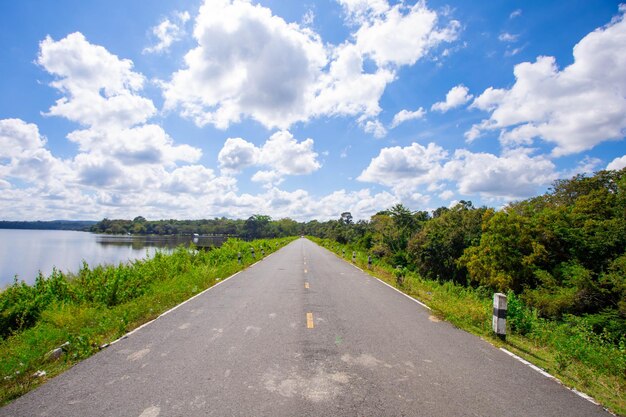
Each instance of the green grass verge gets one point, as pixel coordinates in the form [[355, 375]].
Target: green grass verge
[[99, 305], [567, 349]]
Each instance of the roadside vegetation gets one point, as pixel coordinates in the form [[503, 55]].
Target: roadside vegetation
[[84, 311], [559, 257]]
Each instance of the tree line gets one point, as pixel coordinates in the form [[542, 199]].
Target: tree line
[[255, 227], [78, 225]]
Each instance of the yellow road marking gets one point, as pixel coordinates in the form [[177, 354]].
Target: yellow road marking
[[309, 320], [306, 285], [305, 271]]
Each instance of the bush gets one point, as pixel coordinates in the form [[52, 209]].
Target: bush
[[519, 317]]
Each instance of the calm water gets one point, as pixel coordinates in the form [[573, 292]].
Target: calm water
[[25, 252]]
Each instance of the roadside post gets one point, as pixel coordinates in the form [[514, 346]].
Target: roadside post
[[253, 254], [353, 257], [369, 262], [239, 257], [343, 253], [499, 315]]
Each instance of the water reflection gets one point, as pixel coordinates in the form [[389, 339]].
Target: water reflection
[[23, 253], [167, 242]]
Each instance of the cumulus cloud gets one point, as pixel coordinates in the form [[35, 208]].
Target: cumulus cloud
[[402, 167], [249, 63], [23, 155], [146, 144], [406, 115], [167, 32], [456, 97], [237, 154], [281, 153], [575, 108], [17, 136], [100, 88], [515, 174], [358, 11], [346, 89], [119, 151], [617, 163], [196, 180], [399, 34], [373, 127]]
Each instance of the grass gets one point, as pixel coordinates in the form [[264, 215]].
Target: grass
[[567, 349], [98, 305]]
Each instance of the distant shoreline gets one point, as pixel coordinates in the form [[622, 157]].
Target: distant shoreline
[[77, 225]]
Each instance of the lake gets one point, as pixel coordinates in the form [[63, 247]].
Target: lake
[[26, 252]]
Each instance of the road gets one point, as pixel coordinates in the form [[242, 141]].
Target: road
[[301, 333]]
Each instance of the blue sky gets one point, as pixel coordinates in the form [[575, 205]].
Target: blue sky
[[197, 109]]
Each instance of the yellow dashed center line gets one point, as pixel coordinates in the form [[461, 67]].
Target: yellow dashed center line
[[305, 271], [306, 285], [309, 320]]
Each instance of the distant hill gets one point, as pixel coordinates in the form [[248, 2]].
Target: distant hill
[[81, 225]]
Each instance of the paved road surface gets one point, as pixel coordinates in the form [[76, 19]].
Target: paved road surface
[[245, 348]]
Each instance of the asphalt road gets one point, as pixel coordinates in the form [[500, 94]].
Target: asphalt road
[[301, 333]]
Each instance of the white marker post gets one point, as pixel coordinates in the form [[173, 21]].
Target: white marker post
[[499, 315]]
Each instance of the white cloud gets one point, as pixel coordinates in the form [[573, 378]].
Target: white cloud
[[119, 151], [587, 165], [146, 144], [406, 115], [308, 18], [373, 127], [402, 167], [358, 11], [250, 63], [575, 108], [281, 153], [268, 178], [515, 174], [617, 163], [515, 13], [514, 51], [236, 155], [399, 35], [23, 155], [456, 97], [287, 156], [100, 88], [167, 32], [347, 90], [17, 136], [446, 195], [247, 63], [507, 37], [196, 180]]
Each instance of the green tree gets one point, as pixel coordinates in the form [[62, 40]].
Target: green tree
[[435, 250]]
